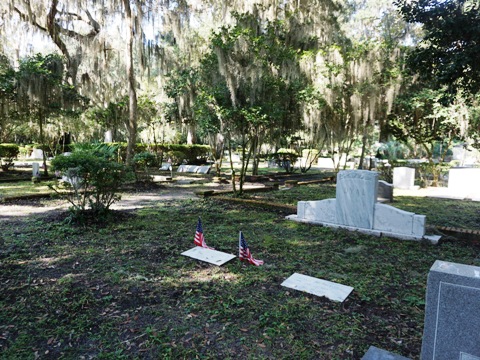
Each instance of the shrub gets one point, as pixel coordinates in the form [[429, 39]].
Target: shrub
[[143, 160], [94, 177], [191, 154], [8, 152]]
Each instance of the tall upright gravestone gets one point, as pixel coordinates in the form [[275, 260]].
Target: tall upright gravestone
[[452, 313], [356, 198]]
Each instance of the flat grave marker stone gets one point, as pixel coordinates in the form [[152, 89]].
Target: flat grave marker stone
[[210, 256], [318, 287]]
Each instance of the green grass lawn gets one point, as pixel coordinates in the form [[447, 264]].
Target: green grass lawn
[[18, 188], [122, 290]]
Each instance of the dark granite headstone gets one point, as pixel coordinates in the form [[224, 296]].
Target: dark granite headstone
[[385, 191], [452, 313], [375, 353]]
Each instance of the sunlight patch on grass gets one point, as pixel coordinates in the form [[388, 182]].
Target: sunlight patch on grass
[[45, 261], [209, 274]]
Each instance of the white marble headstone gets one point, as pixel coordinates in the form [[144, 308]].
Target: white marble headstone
[[37, 154], [203, 169], [35, 169], [356, 208], [208, 255], [318, 287], [356, 198], [403, 177]]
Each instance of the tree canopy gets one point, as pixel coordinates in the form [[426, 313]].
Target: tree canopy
[[449, 51], [326, 75]]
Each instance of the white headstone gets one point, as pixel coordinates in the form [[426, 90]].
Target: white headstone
[[35, 169], [208, 255], [108, 136], [37, 154], [318, 287], [403, 177], [464, 182], [356, 208], [356, 198], [203, 169]]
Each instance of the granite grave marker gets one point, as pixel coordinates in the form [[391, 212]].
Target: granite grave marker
[[452, 313]]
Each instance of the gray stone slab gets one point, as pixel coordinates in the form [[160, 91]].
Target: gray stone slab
[[356, 198], [433, 239], [318, 287], [210, 256], [385, 191], [452, 312], [375, 353]]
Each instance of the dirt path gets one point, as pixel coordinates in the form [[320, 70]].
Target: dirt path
[[129, 201]]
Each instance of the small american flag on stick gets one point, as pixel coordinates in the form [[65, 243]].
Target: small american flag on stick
[[244, 252], [199, 238]]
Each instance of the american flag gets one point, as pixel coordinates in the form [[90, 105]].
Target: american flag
[[199, 238], [244, 251]]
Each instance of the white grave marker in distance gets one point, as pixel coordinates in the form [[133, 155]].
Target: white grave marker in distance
[[318, 287], [208, 255]]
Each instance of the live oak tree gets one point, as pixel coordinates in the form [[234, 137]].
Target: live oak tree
[[42, 93], [347, 69], [260, 77], [449, 51], [98, 39]]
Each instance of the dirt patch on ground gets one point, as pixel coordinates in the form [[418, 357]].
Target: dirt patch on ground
[[138, 196]]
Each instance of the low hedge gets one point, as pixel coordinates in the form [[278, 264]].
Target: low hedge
[[192, 154], [8, 152]]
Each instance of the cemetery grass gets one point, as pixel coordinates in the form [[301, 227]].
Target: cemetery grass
[[25, 188], [122, 289], [463, 214]]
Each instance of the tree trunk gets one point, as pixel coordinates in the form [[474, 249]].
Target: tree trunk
[[191, 139], [42, 142], [362, 155], [132, 94], [234, 187]]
